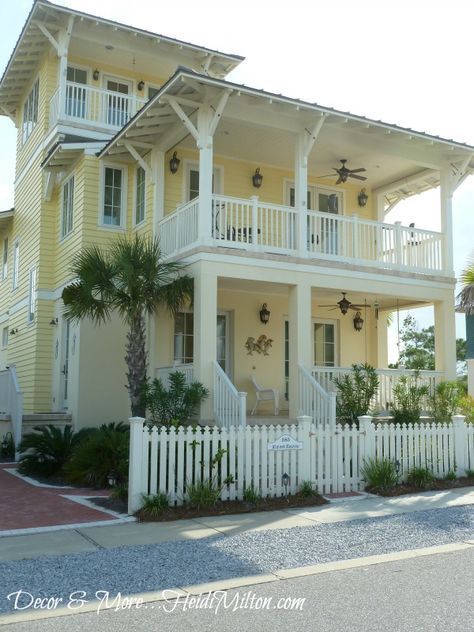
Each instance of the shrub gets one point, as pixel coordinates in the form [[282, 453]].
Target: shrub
[[206, 492], [450, 476], [408, 398], [355, 392], [306, 489], [470, 473], [46, 451], [420, 477], [380, 474], [154, 505], [177, 403], [120, 492], [444, 402], [466, 408], [251, 495], [102, 451]]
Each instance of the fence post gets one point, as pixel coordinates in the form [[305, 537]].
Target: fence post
[[135, 489], [242, 409], [460, 443], [304, 465], [367, 428], [332, 409]]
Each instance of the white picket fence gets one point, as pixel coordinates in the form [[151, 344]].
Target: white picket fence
[[331, 457]]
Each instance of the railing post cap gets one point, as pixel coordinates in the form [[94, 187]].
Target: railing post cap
[[136, 420], [304, 419], [458, 419], [365, 418]]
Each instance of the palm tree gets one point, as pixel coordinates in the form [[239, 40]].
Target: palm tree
[[131, 278], [466, 295]]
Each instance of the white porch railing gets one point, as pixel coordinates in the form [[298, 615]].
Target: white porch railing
[[229, 403], [315, 401], [93, 106], [388, 378], [179, 230], [11, 401], [163, 373], [253, 225]]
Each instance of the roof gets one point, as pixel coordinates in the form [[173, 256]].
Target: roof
[[63, 154], [32, 44], [6, 217], [153, 123]]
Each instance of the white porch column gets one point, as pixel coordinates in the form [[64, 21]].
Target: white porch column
[[205, 146], [158, 171], [301, 195], [445, 338], [382, 341], [446, 192], [300, 339], [205, 334]]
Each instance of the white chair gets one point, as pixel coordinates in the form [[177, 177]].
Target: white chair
[[265, 395]]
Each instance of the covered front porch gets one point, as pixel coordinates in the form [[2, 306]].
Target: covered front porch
[[306, 341]]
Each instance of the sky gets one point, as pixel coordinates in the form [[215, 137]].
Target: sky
[[403, 61]]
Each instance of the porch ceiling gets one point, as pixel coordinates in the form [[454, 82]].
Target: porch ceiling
[[262, 128]]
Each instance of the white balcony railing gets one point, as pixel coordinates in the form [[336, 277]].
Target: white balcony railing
[[163, 373], [93, 106], [252, 225]]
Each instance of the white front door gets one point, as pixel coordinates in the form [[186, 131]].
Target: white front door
[[65, 356], [118, 106]]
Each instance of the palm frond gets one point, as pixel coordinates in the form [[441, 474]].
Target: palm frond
[[465, 298]]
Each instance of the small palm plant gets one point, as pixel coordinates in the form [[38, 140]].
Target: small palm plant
[[45, 451]]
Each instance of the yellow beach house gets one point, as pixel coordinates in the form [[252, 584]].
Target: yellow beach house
[[277, 206]]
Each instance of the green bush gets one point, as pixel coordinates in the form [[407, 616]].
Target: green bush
[[420, 477], [306, 489], [450, 476], [470, 473], [355, 392], [154, 505], [102, 451], [206, 492], [466, 408], [380, 474], [409, 397], [176, 404], [445, 400], [45, 451], [251, 495]]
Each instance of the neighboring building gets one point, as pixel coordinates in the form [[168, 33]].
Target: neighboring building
[[101, 110]]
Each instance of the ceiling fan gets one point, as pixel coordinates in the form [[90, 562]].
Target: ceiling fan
[[345, 305], [344, 173]]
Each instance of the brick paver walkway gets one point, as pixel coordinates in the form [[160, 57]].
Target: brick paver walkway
[[25, 506]]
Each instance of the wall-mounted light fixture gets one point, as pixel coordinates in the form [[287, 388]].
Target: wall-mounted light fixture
[[358, 322], [362, 197], [174, 163], [53, 321], [13, 331], [96, 75], [285, 481], [257, 179], [140, 85], [264, 314]]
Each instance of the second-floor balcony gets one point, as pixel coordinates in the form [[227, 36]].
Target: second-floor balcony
[[255, 226], [87, 106]]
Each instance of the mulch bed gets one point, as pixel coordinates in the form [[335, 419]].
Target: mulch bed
[[221, 508], [436, 485]]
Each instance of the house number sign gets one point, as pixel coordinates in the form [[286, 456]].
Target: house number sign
[[285, 442]]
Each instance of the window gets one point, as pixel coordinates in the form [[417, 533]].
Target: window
[[67, 216], [192, 180], [4, 337], [183, 338], [30, 112], [32, 295], [114, 183], [140, 192], [324, 341], [5, 259], [76, 94], [16, 264], [193, 190], [117, 102]]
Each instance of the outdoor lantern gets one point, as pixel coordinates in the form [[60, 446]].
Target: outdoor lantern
[[5, 441], [53, 321], [174, 163], [13, 331], [112, 479], [141, 85], [264, 314], [362, 197], [285, 481], [257, 178], [358, 322], [95, 75]]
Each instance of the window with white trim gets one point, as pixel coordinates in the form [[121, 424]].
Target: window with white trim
[[16, 264], [140, 195], [113, 197], [67, 214], [5, 259], [4, 337], [32, 295], [183, 338], [30, 112], [325, 343]]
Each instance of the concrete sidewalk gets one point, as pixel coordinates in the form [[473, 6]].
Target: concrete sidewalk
[[83, 539]]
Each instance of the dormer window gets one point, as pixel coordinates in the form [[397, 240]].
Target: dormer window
[[30, 112]]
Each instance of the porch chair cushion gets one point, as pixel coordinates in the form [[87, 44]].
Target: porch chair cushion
[[265, 394]]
